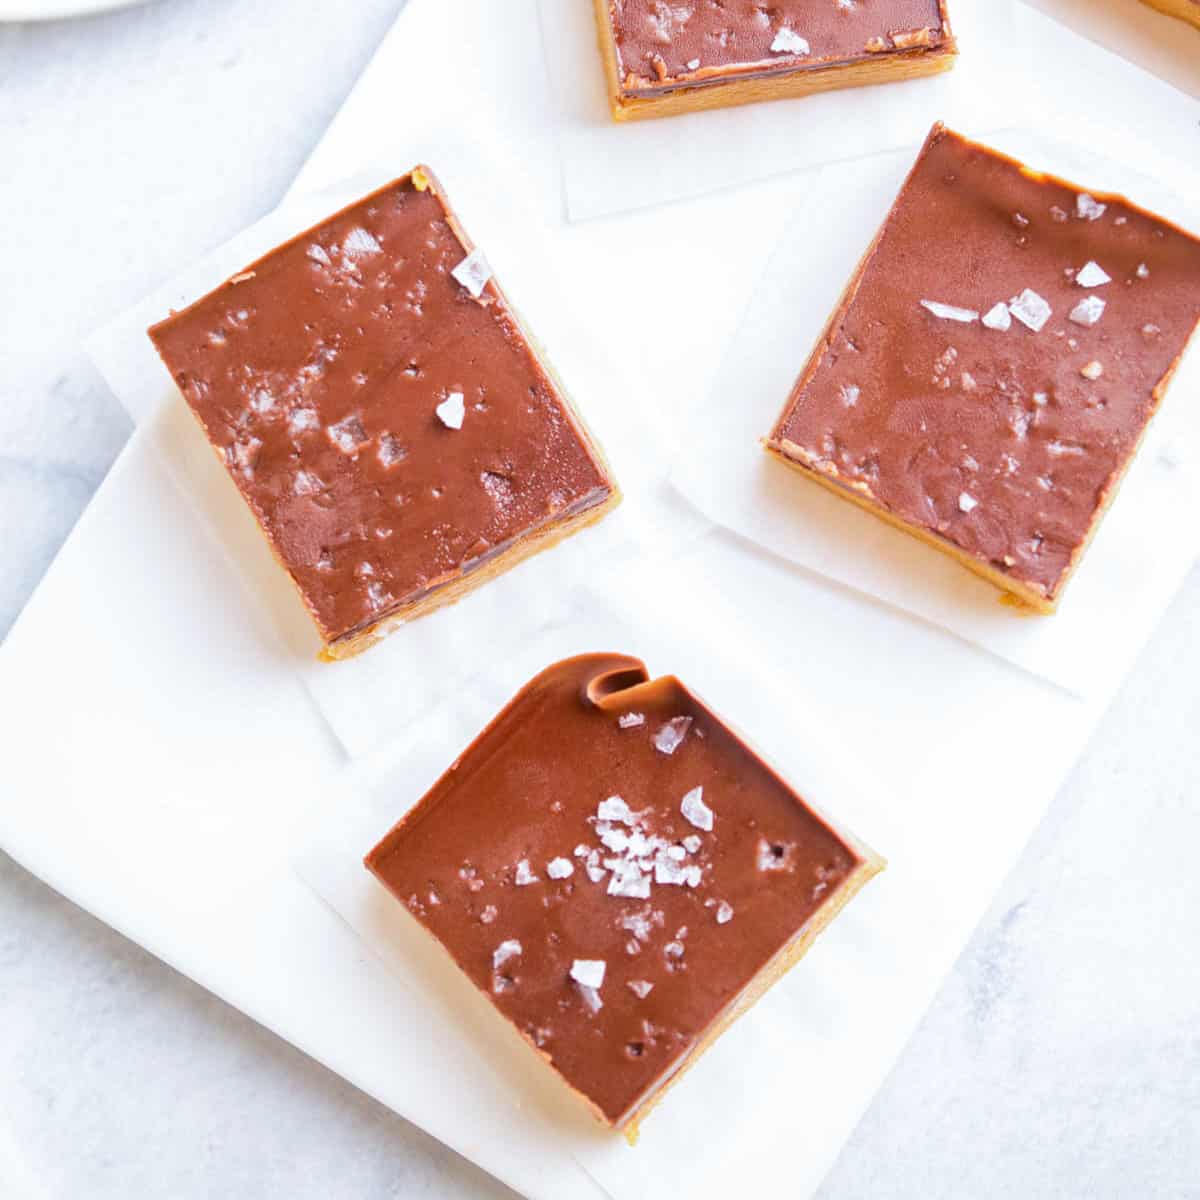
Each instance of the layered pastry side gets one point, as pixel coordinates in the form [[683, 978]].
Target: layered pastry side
[[664, 57], [620, 875], [380, 408], [1185, 10], [994, 363]]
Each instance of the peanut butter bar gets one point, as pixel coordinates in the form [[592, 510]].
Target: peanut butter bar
[[663, 57], [993, 365], [383, 413], [620, 874]]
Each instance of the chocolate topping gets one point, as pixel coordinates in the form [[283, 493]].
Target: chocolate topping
[[662, 44], [997, 358], [691, 865], [379, 407]]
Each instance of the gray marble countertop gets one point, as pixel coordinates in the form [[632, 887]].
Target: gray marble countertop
[[1061, 1057]]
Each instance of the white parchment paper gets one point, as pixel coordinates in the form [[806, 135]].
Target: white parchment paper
[[611, 168], [1147, 543], [856, 982], [369, 698]]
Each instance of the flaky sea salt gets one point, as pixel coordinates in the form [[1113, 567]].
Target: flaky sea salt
[[1087, 208], [359, 243], [966, 502], [950, 312], [998, 317], [1030, 309], [693, 64], [788, 41], [560, 868], [1092, 370], [695, 811], [631, 720], [305, 483], [850, 394], [473, 273], [724, 912], [641, 988], [629, 881], [614, 809], [1091, 275], [452, 410], [670, 736], [503, 952], [669, 872], [1088, 311], [589, 972], [391, 450], [692, 843], [302, 419], [524, 875], [347, 435], [591, 998], [1143, 271]]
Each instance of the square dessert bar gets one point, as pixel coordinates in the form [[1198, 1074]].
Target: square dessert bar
[[384, 415], [989, 373], [619, 874], [1185, 10], [663, 57]]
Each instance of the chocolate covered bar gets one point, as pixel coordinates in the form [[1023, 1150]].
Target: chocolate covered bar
[[994, 362], [383, 413], [661, 59], [620, 874]]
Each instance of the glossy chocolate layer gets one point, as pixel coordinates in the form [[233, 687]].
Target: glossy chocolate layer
[[1005, 442], [475, 862], [664, 44], [318, 373]]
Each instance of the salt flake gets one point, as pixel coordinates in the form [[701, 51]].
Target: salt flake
[[631, 720], [452, 410], [787, 41], [1087, 208], [950, 312], [503, 952], [1030, 309], [724, 913], [641, 988], [524, 875], [695, 811], [670, 736], [1088, 311], [473, 273], [614, 809], [589, 972], [560, 868], [998, 317], [966, 502], [1091, 275]]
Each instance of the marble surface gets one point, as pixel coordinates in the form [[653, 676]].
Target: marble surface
[[1061, 1056]]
